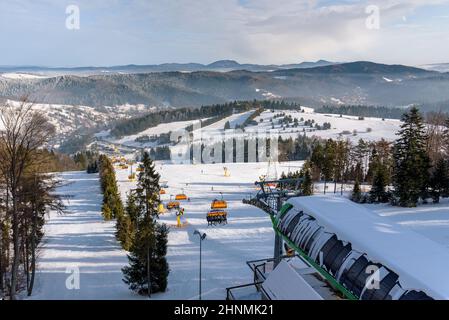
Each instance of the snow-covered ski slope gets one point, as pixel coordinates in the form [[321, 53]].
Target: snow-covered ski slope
[[234, 120], [247, 236], [80, 240], [153, 131], [344, 127]]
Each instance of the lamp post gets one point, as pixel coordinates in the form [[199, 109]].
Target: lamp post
[[202, 236]]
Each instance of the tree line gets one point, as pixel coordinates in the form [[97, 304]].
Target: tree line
[[253, 149], [411, 169], [363, 111], [138, 124], [112, 206], [26, 194], [137, 227], [214, 112]]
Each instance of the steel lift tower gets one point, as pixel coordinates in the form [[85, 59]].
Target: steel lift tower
[[270, 198]]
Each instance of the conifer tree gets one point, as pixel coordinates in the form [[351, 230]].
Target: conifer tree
[[148, 187], [328, 161], [139, 272], [411, 163], [147, 262], [112, 203], [160, 264], [106, 212], [439, 181], [378, 192], [307, 184], [356, 192], [446, 137], [361, 156], [126, 224], [316, 161], [118, 209]]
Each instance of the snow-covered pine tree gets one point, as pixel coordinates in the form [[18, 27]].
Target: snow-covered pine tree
[[411, 162]]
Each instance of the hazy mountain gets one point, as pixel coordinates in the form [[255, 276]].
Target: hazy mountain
[[221, 66], [350, 83], [440, 67], [307, 64], [229, 64]]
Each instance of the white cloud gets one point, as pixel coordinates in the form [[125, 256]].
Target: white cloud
[[261, 31]]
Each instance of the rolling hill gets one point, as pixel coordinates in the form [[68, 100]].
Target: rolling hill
[[349, 83]]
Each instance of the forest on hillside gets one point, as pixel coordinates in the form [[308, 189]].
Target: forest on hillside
[[214, 112]]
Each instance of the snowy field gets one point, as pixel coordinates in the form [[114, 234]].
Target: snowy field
[[371, 129], [21, 76], [81, 239], [345, 127], [213, 129], [430, 220], [153, 131], [234, 120]]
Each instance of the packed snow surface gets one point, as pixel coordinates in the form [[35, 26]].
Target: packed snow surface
[[234, 120], [247, 236], [81, 239], [153, 131]]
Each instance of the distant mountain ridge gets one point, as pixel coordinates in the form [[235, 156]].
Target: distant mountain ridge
[[361, 82], [221, 65], [440, 67]]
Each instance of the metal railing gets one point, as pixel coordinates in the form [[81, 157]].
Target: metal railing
[[230, 295]]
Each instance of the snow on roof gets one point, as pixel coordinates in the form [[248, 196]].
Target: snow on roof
[[421, 263], [284, 283]]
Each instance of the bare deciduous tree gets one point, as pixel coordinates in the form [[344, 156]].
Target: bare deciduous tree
[[23, 131]]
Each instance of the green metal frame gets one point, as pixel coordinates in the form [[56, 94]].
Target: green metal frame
[[333, 282], [284, 209]]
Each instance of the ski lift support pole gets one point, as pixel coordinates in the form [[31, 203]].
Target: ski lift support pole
[[277, 197]]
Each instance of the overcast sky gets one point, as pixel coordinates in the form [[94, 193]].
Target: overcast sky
[[115, 32]]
